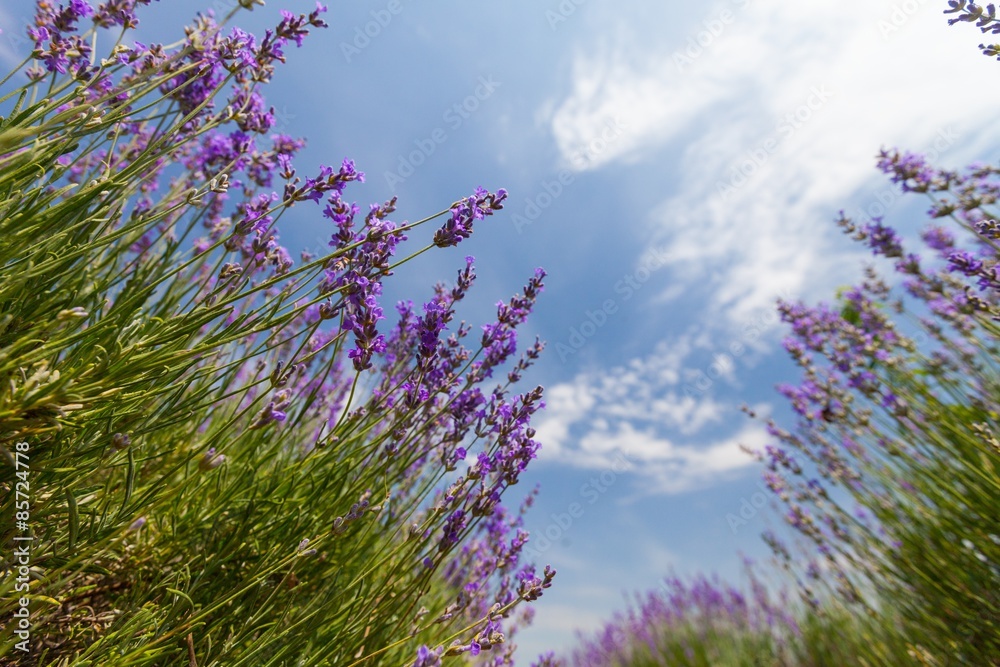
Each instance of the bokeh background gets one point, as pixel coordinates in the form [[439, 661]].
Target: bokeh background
[[676, 167]]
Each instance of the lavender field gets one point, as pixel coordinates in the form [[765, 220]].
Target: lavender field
[[282, 380]]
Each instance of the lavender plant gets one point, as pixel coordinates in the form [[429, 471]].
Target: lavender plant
[[898, 484], [233, 459], [892, 472]]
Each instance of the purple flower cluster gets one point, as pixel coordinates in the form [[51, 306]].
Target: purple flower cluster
[[910, 171], [867, 396], [883, 240], [56, 44], [969, 265], [675, 619], [465, 213], [985, 19]]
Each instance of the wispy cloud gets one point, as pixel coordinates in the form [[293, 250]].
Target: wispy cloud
[[645, 410], [776, 118]]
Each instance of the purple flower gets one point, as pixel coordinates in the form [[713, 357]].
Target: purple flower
[[118, 13], [938, 238], [427, 657], [883, 240], [274, 411], [964, 262], [211, 460], [465, 213], [909, 170]]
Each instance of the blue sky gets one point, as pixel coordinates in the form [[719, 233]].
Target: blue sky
[[675, 167]]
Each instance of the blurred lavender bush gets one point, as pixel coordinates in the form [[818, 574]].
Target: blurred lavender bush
[[234, 458]]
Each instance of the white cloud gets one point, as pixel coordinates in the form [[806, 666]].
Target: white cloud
[[641, 409], [668, 467], [871, 79], [572, 403]]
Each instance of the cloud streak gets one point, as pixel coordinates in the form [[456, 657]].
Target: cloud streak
[[765, 160], [644, 410]]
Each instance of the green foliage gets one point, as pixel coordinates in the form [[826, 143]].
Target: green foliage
[[175, 517]]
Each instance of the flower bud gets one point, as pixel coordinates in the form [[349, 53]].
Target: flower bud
[[120, 441], [211, 460]]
